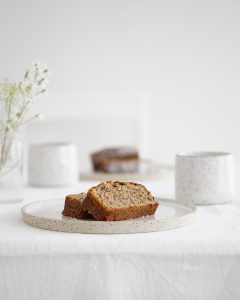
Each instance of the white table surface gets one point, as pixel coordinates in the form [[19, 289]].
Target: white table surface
[[201, 261]]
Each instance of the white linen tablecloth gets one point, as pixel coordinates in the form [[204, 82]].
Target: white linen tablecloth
[[201, 261]]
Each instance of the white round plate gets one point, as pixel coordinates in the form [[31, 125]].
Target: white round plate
[[47, 214]]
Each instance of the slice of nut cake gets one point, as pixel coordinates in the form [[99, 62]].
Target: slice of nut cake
[[73, 206], [115, 201]]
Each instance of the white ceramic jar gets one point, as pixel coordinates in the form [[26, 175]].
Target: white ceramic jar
[[53, 164], [204, 177]]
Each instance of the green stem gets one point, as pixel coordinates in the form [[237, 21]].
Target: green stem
[[4, 150], [3, 154]]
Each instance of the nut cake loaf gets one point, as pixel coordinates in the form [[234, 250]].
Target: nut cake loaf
[[112, 160]]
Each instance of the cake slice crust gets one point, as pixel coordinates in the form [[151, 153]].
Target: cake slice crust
[[115, 201], [73, 206]]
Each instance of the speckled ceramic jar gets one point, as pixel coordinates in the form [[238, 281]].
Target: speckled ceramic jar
[[53, 164], [204, 177]]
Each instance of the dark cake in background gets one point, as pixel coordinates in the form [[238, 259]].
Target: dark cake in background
[[119, 160]]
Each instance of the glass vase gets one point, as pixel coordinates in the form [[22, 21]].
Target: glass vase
[[11, 179]]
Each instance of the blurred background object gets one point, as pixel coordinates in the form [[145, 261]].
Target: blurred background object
[[124, 159], [172, 67], [89, 134], [53, 164]]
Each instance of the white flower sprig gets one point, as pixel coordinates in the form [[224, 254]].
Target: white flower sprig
[[16, 99]]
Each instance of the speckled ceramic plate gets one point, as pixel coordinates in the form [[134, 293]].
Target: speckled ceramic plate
[[47, 214]]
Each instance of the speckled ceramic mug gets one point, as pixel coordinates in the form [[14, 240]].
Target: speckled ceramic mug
[[204, 177]]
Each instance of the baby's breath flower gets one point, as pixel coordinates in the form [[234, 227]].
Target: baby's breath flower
[[26, 74], [40, 116], [16, 99]]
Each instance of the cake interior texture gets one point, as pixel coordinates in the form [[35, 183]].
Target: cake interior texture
[[114, 201], [122, 195], [117, 165]]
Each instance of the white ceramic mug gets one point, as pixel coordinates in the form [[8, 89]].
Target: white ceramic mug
[[204, 177], [53, 164]]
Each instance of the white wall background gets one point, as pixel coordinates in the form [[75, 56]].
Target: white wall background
[[175, 64]]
